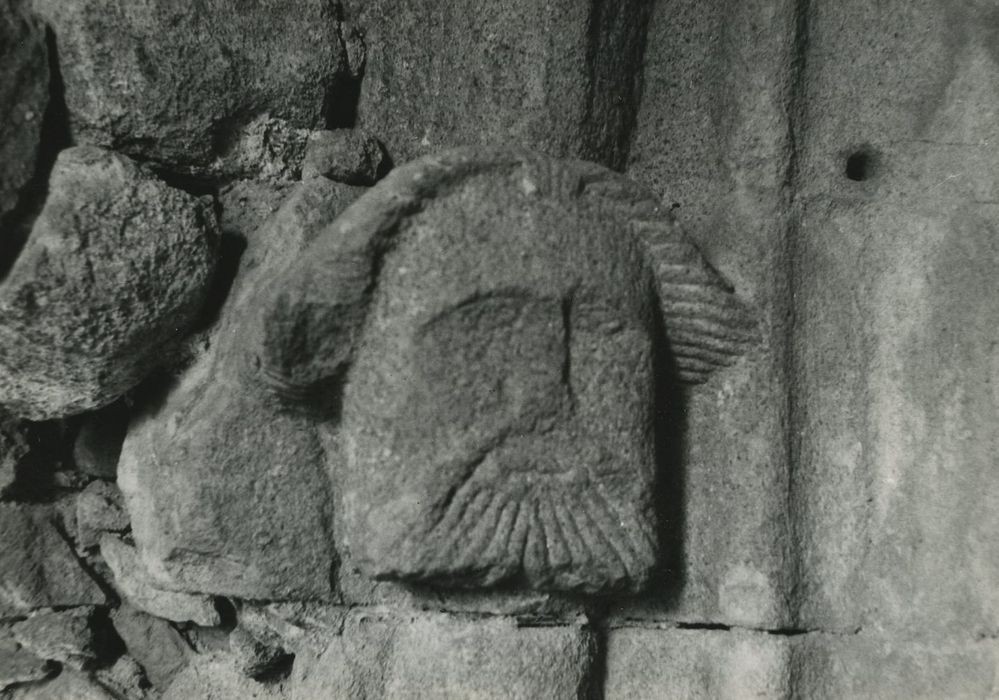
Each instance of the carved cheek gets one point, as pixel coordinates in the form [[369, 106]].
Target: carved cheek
[[612, 385]]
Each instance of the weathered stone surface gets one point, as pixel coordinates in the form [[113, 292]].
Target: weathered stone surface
[[24, 94], [141, 590], [713, 138], [643, 664], [18, 665], [117, 267], [446, 657], [126, 680], [214, 677], [99, 508], [71, 637], [720, 664], [894, 667], [502, 383], [68, 685], [98, 442], [256, 654], [155, 644], [209, 473], [560, 77], [896, 489], [178, 83], [14, 451], [351, 156], [37, 566]]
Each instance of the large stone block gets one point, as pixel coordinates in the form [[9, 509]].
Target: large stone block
[[560, 77], [897, 323], [712, 139], [500, 313], [227, 489], [24, 94], [447, 657], [692, 664], [182, 84], [116, 269]]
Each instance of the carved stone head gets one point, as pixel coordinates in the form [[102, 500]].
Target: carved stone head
[[491, 320]]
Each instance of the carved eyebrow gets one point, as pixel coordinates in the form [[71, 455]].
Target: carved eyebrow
[[708, 327]]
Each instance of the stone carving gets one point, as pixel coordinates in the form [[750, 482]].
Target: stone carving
[[117, 268], [499, 313]]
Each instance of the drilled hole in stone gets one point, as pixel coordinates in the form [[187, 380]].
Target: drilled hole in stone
[[859, 165]]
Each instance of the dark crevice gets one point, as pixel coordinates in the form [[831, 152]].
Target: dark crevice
[[230, 254], [15, 226], [795, 101], [596, 677], [703, 626], [615, 76], [344, 93], [861, 164]]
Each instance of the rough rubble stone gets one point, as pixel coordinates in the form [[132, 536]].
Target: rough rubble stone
[[499, 402], [445, 657], [256, 654], [18, 665], [68, 685], [37, 565], [155, 644], [214, 677], [561, 77], [210, 472], [350, 156], [140, 590], [116, 269], [177, 83], [100, 508], [126, 680], [72, 637], [24, 94], [15, 450], [98, 442]]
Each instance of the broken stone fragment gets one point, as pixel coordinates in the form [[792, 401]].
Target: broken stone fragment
[[24, 96], [141, 591], [177, 82], [38, 568], [72, 637], [226, 489], [99, 508], [115, 272], [441, 656], [350, 156], [18, 665], [154, 643]]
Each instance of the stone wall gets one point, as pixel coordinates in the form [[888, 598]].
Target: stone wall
[[208, 460]]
